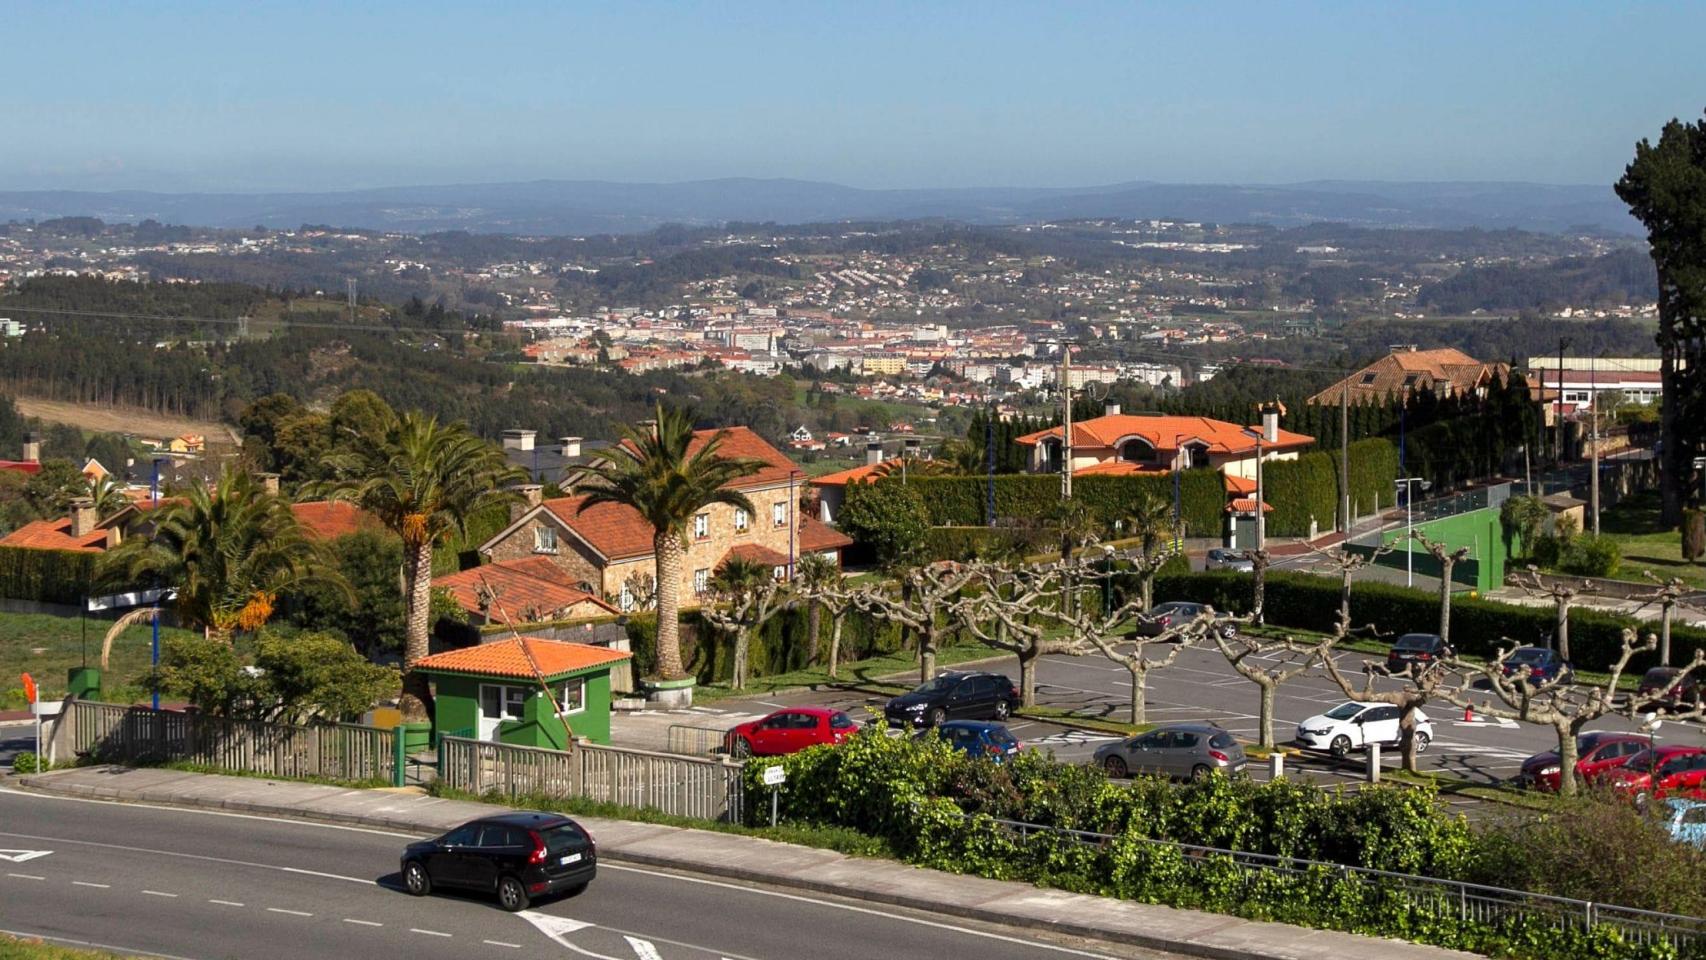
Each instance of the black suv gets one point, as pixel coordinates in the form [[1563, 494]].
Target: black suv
[[517, 856], [954, 696], [1414, 648]]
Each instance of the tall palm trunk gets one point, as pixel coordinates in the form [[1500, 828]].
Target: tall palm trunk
[[666, 546], [416, 702], [814, 620], [835, 643]]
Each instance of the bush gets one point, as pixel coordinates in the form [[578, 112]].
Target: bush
[[1547, 551], [1300, 491], [965, 543], [1592, 556], [961, 501], [27, 762], [45, 576]]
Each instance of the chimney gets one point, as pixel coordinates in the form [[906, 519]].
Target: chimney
[[114, 537], [873, 453], [532, 494], [1270, 424], [571, 446], [519, 439], [32, 447], [82, 517], [1110, 409], [269, 483]]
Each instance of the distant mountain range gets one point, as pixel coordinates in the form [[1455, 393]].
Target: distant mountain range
[[556, 207]]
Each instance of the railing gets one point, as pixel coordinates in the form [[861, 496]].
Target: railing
[[693, 741], [682, 786], [112, 733], [1470, 902]]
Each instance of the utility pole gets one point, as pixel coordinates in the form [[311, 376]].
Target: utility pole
[[1345, 455], [1066, 420], [1558, 404], [1593, 421], [350, 285]]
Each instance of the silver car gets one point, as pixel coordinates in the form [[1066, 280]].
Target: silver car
[[1221, 558], [1180, 750]]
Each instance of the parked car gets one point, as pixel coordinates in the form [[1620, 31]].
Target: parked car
[[1661, 772], [1182, 750], [788, 730], [1686, 820], [1163, 616], [954, 696], [1667, 687], [1220, 558], [1416, 648], [1353, 725], [1544, 666], [516, 856], [1596, 754], [978, 738]]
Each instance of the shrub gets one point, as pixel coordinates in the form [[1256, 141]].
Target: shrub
[[1547, 550], [1693, 534], [45, 576], [26, 762], [961, 501], [1592, 556]]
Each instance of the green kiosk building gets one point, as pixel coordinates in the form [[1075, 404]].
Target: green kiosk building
[[496, 691]]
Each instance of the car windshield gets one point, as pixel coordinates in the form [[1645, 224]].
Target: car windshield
[[1344, 711], [1528, 655], [1658, 676], [562, 838], [941, 684], [1414, 641]]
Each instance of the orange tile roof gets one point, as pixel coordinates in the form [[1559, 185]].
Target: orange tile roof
[[506, 659], [841, 478], [1242, 486], [55, 535], [617, 532], [1247, 505], [1403, 370], [331, 519], [757, 553], [1118, 468], [817, 536], [520, 594], [1165, 434]]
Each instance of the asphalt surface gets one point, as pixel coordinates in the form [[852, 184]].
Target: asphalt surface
[[16, 737], [208, 885]]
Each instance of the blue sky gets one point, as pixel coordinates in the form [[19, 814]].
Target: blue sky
[[247, 96]]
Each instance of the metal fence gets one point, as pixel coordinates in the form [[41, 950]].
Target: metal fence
[[1469, 902], [693, 741], [111, 733], [683, 786]]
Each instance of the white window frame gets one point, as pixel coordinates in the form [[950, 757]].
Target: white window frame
[[741, 520], [573, 692], [779, 514], [701, 581], [544, 539], [702, 526], [625, 599], [780, 572]]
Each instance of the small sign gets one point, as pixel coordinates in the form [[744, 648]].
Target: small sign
[[29, 687], [775, 776]]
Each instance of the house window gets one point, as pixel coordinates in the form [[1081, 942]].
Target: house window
[[740, 520], [779, 514], [780, 573], [702, 526], [1369, 378], [544, 540], [1410, 380], [573, 697], [625, 600], [701, 581]]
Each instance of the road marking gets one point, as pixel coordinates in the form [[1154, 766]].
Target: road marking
[[558, 929], [643, 949], [85, 883], [363, 923], [226, 903], [159, 893], [25, 876], [430, 933], [21, 856], [293, 913], [196, 856], [503, 943]]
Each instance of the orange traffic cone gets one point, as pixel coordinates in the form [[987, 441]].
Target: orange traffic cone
[[1468, 714]]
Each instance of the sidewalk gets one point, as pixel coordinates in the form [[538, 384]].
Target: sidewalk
[[759, 861]]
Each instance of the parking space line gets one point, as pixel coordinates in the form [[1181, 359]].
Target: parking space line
[[158, 893], [293, 913], [503, 943], [25, 876], [85, 883], [226, 903], [363, 923]]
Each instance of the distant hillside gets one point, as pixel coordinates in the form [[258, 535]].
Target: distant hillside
[[1623, 277], [558, 207]]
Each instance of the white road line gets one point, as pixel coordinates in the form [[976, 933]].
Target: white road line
[[196, 856], [226, 903], [25, 876], [293, 913], [503, 943], [363, 923], [85, 883], [430, 933], [159, 893], [643, 949]]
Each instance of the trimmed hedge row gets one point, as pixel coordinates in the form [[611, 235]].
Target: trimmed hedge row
[[1479, 627], [1301, 490], [45, 576], [960, 501]]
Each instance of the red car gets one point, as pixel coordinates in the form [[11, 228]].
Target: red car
[[1596, 754], [789, 730], [1676, 771]]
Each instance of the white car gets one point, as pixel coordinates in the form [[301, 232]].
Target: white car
[[1353, 726]]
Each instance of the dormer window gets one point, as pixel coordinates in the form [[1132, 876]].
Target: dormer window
[[1369, 378]]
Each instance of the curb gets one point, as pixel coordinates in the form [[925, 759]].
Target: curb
[[41, 783]]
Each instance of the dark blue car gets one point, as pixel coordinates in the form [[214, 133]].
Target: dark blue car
[[1544, 666], [979, 739]]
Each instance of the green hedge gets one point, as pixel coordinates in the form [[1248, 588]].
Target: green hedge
[[964, 543], [45, 576], [1479, 627], [960, 501], [1374, 470], [1301, 490]]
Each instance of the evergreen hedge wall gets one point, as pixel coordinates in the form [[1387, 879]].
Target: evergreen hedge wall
[[45, 576], [1300, 490], [959, 501]]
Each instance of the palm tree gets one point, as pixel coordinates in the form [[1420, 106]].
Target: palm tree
[[653, 472], [422, 480], [227, 551], [1150, 519], [106, 493], [815, 573], [745, 590]]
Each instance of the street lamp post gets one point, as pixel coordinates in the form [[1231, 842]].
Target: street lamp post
[[154, 646], [1178, 509], [1408, 483], [1700, 468], [1261, 501]]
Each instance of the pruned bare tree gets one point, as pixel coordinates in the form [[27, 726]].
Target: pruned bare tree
[[1447, 559], [1260, 560], [1422, 682], [928, 605], [1667, 596], [1012, 610], [745, 595], [1563, 595], [1251, 656]]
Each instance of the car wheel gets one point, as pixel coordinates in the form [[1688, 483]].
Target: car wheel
[[415, 879], [512, 896], [1002, 709], [1200, 772], [743, 747], [938, 716], [1422, 741], [1340, 748], [1116, 768]]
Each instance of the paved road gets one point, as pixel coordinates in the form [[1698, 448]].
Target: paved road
[[207, 885]]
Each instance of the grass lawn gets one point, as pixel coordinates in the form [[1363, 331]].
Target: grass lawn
[[12, 948], [1646, 543], [48, 647]]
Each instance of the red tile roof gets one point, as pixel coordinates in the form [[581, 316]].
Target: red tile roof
[[1247, 505], [817, 536], [1242, 486], [1118, 468], [841, 478], [506, 659], [617, 532], [522, 590], [55, 535], [757, 553], [1166, 434], [331, 519], [21, 466], [1403, 370]]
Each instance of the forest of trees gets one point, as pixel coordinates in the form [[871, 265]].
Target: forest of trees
[[1621, 277]]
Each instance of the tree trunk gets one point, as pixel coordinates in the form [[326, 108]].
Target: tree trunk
[[1259, 577], [1566, 760], [1407, 737], [1563, 629], [666, 547], [1028, 676], [416, 701], [1139, 700], [737, 678], [835, 644], [1148, 591], [927, 654], [814, 620], [1445, 600], [1266, 715], [1664, 632]]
